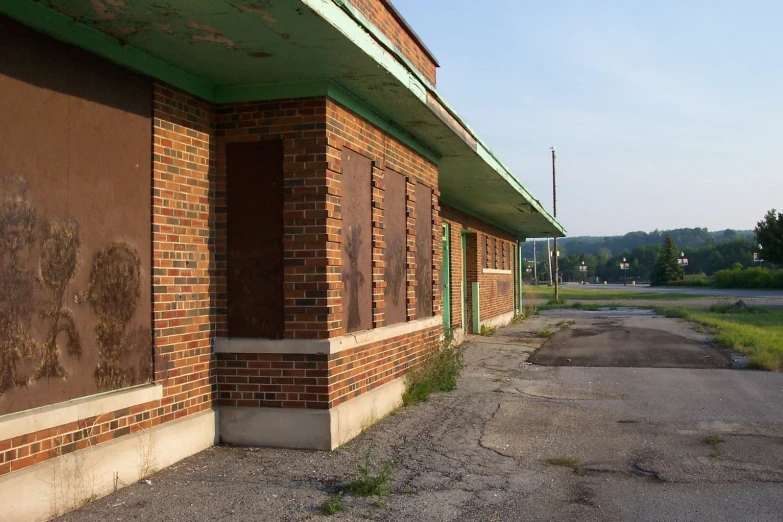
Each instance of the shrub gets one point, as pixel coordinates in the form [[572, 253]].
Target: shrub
[[438, 374], [370, 477], [332, 505], [755, 277]]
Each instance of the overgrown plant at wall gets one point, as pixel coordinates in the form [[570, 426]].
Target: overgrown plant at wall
[[438, 374]]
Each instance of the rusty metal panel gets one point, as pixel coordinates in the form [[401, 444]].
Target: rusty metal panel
[[423, 251], [395, 254], [254, 229], [357, 241], [75, 222]]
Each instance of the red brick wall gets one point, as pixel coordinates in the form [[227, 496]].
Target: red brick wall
[[308, 211], [319, 381], [316, 132], [496, 290], [344, 129], [379, 15], [184, 293]]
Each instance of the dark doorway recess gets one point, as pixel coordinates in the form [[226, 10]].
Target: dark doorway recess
[[255, 198], [357, 242]]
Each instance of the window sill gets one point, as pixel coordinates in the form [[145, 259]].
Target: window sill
[[45, 417]]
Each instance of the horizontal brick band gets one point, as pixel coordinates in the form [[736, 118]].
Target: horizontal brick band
[[323, 346]]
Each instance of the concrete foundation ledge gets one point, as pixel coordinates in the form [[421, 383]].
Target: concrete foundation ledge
[[58, 485], [309, 429], [498, 320]]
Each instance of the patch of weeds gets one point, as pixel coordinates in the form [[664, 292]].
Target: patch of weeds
[[372, 478], [438, 374], [565, 324], [546, 333], [378, 504], [332, 505], [715, 453], [586, 307], [738, 308], [407, 490], [698, 328], [574, 463], [486, 331], [713, 440], [561, 302]]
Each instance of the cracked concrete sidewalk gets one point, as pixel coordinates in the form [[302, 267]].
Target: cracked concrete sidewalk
[[481, 452]]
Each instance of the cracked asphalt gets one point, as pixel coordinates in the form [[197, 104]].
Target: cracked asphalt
[[646, 443]]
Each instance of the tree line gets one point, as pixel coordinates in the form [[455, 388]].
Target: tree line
[[654, 255]]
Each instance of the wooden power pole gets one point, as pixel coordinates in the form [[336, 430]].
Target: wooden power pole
[[554, 204]]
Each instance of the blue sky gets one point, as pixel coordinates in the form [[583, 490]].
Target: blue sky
[[664, 114]]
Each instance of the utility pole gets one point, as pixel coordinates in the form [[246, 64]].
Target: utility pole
[[549, 255], [554, 204]]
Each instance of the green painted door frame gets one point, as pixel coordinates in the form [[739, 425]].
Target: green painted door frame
[[464, 284], [446, 276]]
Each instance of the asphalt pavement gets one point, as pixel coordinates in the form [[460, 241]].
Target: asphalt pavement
[[519, 442]]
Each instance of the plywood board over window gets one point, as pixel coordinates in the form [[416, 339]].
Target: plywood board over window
[[75, 222], [357, 241], [395, 255], [423, 251], [255, 197]]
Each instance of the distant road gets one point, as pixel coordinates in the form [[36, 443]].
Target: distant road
[[723, 292]]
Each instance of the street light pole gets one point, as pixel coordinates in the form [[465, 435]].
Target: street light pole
[[625, 271], [554, 205]]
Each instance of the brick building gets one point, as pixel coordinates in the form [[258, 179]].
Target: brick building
[[234, 221]]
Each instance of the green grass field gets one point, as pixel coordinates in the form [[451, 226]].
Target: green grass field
[[605, 295], [758, 334]]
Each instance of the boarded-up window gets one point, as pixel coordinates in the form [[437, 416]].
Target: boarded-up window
[[485, 252], [493, 251], [255, 239], [75, 222], [357, 241], [395, 255], [423, 251]]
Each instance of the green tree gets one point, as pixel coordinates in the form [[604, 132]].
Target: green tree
[[666, 268], [769, 234]]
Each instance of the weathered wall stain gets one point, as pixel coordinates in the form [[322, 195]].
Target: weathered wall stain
[[423, 251], [78, 181], [60, 245], [18, 219], [395, 255], [357, 241], [115, 288], [352, 275]]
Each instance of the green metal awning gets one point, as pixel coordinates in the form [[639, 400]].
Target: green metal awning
[[251, 50]]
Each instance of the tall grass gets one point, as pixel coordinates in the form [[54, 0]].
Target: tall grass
[[438, 374], [757, 333], [596, 294]]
